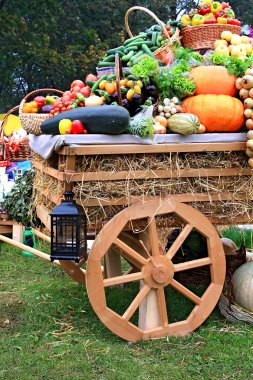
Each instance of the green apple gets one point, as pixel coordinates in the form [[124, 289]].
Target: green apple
[[222, 49], [236, 39], [226, 35], [220, 42]]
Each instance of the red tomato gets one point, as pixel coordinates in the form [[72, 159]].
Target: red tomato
[[85, 91], [65, 98], [73, 94], [66, 93], [91, 77], [78, 83], [76, 88]]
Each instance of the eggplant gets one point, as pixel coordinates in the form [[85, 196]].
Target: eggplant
[[114, 96], [125, 103], [151, 90], [137, 99], [47, 108]]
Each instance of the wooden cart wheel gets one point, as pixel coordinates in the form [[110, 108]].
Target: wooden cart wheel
[[154, 270]]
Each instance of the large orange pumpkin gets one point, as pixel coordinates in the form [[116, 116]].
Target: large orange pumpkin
[[218, 113], [213, 80]]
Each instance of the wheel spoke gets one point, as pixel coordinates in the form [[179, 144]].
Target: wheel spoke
[[136, 302], [162, 307], [192, 264], [154, 243], [134, 257], [179, 241], [118, 280], [186, 292]]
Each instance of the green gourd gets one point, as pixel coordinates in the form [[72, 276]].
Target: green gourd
[[184, 123]]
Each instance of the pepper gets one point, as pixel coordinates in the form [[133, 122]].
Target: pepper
[[49, 99], [216, 6], [209, 15], [210, 21], [233, 21], [40, 100], [221, 13], [205, 8], [31, 107], [185, 19], [205, 2], [229, 13], [225, 5], [198, 20], [193, 12], [222, 20]]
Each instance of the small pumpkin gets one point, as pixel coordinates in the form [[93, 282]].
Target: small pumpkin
[[242, 280], [184, 123], [213, 80], [219, 113]]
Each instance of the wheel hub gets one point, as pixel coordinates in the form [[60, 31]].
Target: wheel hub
[[159, 272]]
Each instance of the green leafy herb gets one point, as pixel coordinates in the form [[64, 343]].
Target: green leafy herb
[[234, 65], [145, 69], [174, 82], [186, 54], [18, 202]]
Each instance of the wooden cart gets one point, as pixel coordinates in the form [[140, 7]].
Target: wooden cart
[[130, 248]]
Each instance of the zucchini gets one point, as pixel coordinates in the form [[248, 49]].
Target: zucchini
[[153, 39], [129, 40], [128, 48], [112, 120]]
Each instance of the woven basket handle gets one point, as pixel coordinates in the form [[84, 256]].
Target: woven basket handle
[[6, 117], [35, 92], [119, 75], [159, 22]]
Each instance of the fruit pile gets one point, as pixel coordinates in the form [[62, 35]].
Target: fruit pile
[[210, 12], [234, 45]]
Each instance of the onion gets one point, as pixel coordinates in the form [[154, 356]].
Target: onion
[[244, 94], [249, 124], [248, 113], [250, 162], [238, 83], [248, 103], [249, 153], [93, 100], [250, 135]]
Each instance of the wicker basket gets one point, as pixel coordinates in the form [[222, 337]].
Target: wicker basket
[[20, 153], [203, 36], [164, 49], [31, 121]]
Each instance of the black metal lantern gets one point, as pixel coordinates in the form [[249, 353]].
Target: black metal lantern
[[68, 230]]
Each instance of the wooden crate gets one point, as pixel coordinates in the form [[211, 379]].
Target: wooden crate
[[63, 169]]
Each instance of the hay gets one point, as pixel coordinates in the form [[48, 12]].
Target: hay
[[45, 186]]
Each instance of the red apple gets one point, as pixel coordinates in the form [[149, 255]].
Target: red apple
[[77, 127]]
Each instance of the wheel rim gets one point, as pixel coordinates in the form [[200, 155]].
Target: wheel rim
[[155, 270]]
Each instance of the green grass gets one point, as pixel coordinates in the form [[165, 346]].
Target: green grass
[[239, 236], [48, 330]]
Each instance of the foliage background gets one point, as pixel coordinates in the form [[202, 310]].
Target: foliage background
[[51, 43]]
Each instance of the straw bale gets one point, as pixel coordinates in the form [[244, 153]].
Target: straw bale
[[44, 185]]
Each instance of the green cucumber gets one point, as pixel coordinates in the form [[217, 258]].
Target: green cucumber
[[106, 64], [132, 77], [129, 40], [114, 50], [110, 120], [153, 39], [111, 76], [90, 83], [146, 49], [139, 43], [127, 57], [126, 73], [96, 84], [159, 39], [140, 52], [129, 48], [109, 58]]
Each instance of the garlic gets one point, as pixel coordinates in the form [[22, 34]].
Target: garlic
[[167, 114], [175, 100], [161, 113], [173, 110], [160, 108]]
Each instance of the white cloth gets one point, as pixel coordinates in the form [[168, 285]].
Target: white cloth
[[45, 145]]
